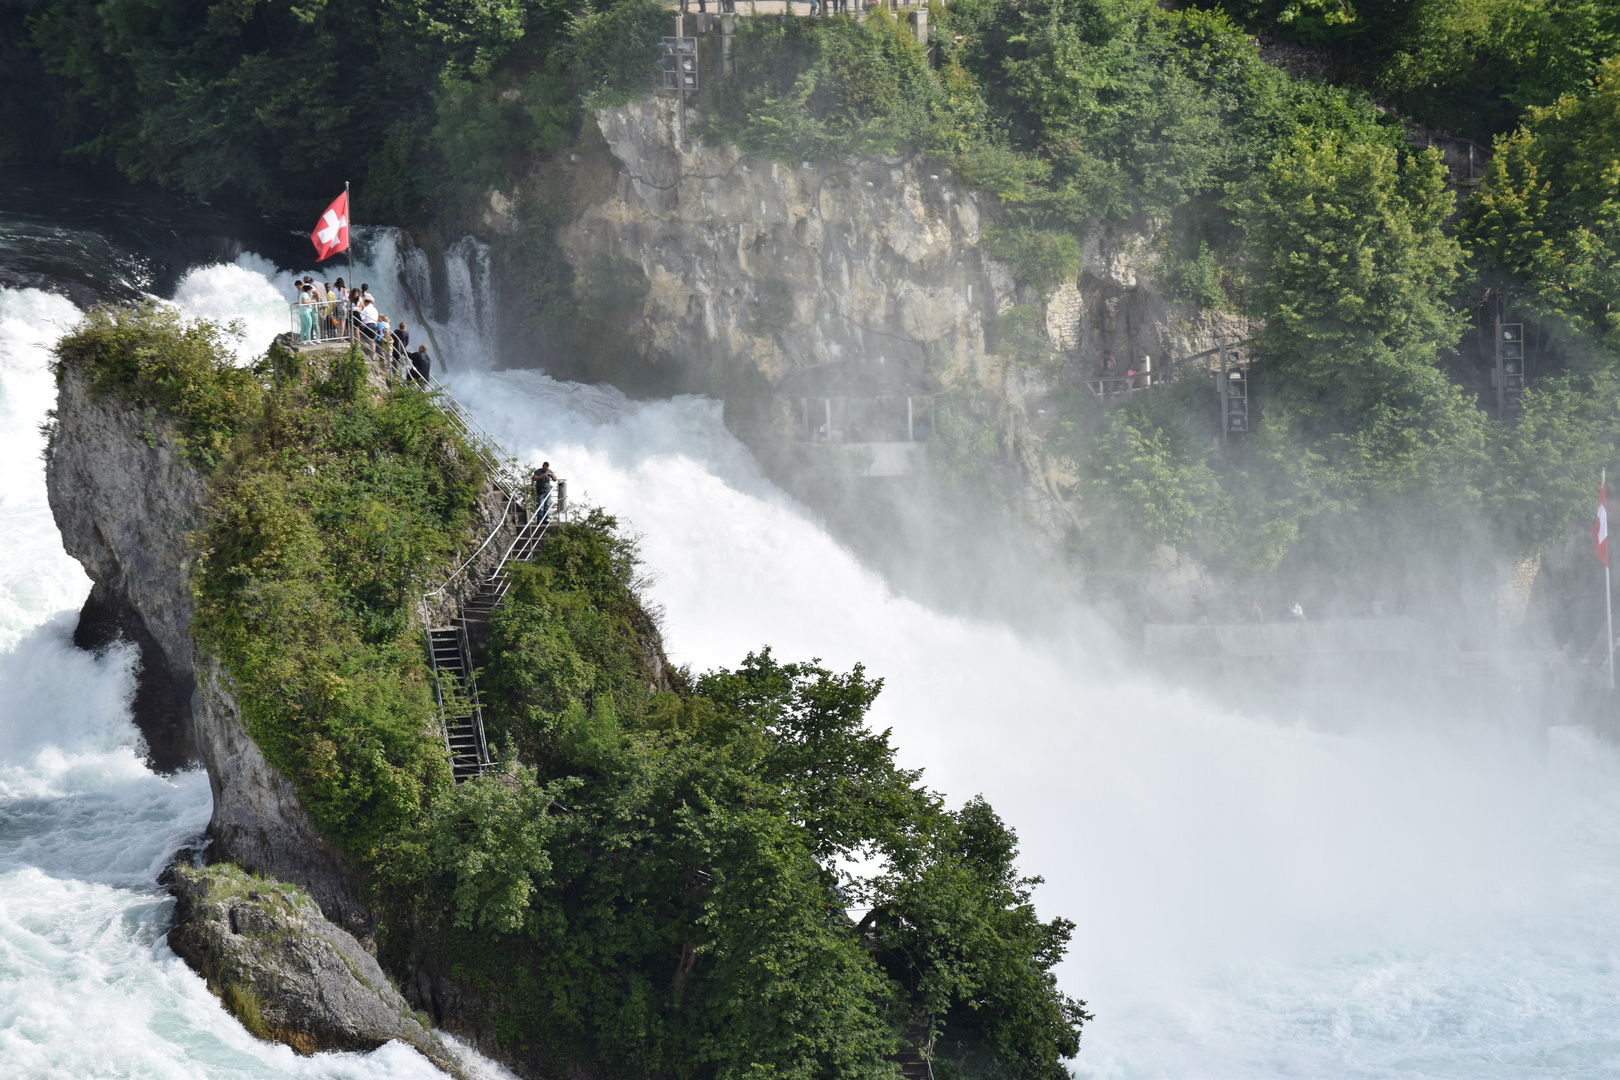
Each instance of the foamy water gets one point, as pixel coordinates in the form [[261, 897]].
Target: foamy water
[[1418, 899]]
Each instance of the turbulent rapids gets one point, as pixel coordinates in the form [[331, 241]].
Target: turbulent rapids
[[1428, 896]]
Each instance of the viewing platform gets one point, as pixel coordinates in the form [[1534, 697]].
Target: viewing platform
[[1325, 637], [878, 416]]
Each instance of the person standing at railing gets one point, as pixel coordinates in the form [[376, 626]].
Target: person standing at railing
[[340, 310], [402, 345], [368, 318], [421, 366], [543, 477], [306, 312], [329, 312], [385, 342]]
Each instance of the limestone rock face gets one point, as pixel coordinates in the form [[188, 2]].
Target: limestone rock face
[[126, 501], [758, 268], [285, 971], [875, 257]]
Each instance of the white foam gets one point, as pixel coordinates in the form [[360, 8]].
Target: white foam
[[36, 576]]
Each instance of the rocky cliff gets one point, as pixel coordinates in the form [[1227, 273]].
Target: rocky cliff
[[757, 268], [127, 502]]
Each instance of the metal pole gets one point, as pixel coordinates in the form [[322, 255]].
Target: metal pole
[[1608, 594], [1500, 372], [680, 79], [348, 201]]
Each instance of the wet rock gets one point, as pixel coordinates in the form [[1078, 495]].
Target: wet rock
[[127, 502], [285, 971]]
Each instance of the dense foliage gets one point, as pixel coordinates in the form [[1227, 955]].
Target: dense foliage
[[657, 879], [416, 103], [1469, 66], [1305, 205]]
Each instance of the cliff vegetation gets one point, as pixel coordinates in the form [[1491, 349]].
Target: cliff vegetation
[[658, 878], [1299, 204]]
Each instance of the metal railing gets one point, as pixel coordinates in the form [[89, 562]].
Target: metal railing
[[1112, 388], [326, 321]]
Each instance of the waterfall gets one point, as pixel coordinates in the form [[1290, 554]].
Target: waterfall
[[1414, 895]]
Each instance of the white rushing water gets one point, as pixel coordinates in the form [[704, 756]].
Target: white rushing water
[[1253, 899]]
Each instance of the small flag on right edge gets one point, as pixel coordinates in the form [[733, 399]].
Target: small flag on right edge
[[1600, 527]]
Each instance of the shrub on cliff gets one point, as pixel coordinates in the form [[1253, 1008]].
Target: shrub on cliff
[[160, 361], [689, 916]]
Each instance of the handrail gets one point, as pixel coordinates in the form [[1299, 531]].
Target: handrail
[[457, 572]]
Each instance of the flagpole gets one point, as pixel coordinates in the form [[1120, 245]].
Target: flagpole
[[349, 202], [1608, 597]]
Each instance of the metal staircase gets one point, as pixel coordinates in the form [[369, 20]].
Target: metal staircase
[[476, 612], [460, 712], [450, 647]]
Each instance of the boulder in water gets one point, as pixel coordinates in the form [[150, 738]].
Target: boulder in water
[[285, 971]]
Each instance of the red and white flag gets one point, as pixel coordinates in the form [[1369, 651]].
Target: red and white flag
[[1600, 527], [331, 233]]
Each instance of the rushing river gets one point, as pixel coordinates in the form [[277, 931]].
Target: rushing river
[[1433, 897]]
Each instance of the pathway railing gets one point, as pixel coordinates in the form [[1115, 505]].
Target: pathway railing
[[450, 644]]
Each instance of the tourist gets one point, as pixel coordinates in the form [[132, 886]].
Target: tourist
[[306, 312], [341, 310], [1254, 615], [367, 313], [421, 366], [329, 324], [402, 344], [1296, 611], [543, 476]]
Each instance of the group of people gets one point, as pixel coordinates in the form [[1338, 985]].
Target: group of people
[[1253, 614], [335, 312], [1112, 381]]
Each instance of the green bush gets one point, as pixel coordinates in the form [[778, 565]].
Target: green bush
[[157, 359], [613, 50], [1041, 257]]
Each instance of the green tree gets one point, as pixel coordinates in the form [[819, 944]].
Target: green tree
[[1548, 211]]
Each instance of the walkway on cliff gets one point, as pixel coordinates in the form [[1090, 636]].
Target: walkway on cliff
[[456, 615]]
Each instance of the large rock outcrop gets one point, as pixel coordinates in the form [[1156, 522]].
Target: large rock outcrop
[[796, 264], [285, 971], [127, 502], [755, 269]]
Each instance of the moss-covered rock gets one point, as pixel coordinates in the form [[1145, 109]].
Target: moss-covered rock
[[285, 971]]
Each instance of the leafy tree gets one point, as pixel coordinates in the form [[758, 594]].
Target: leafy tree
[[1548, 211], [1350, 268]]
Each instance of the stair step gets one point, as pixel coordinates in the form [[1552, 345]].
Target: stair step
[[448, 645]]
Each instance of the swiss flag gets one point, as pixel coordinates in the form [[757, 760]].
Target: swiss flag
[[331, 233], [1600, 527]]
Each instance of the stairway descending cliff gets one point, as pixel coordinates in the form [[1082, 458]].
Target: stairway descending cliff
[[450, 649], [453, 636]]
